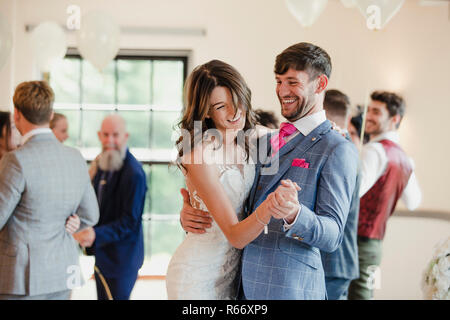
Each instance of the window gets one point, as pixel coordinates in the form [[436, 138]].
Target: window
[[146, 90]]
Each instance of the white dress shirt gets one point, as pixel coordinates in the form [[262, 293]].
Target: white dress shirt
[[34, 132], [305, 125], [374, 162]]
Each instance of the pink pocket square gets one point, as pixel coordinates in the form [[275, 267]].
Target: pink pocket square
[[300, 163]]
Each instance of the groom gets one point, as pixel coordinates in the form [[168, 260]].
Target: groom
[[286, 262]]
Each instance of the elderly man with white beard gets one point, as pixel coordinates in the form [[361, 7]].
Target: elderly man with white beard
[[117, 240]]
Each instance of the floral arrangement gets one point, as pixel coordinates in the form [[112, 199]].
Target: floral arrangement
[[436, 278]]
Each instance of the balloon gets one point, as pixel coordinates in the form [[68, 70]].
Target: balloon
[[378, 12], [349, 3], [98, 39], [5, 40], [306, 11], [48, 44]]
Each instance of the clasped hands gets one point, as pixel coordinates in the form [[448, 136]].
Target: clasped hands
[[85, 237], [283, 202]]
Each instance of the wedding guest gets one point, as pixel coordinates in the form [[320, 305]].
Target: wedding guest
[[41, 184], [117, 240], [387, 175], [355, 127], [59, 126], [341, 266], [9, 138]]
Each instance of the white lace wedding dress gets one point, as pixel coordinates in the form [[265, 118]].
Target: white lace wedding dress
[[205, 266]]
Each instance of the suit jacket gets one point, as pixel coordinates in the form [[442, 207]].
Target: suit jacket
[[119, 241], [287, 264], [343, 263], [41, 184]]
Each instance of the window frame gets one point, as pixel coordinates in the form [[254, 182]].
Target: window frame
[[145, 159]]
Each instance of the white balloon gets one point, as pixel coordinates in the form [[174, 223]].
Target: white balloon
[[378, 12], [349, 3], [48, 43], [5, 40], [306, 11], [98, 39]]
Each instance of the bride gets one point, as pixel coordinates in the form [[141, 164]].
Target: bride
[[219, 175]]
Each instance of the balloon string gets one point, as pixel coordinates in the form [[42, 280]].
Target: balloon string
[[102, 279], [363, 126]]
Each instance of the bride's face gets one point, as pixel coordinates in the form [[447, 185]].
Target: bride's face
[[222, 111]]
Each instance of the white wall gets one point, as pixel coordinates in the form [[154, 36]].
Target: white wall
[[7, 71], [407, 251]]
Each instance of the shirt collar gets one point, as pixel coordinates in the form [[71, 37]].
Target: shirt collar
[[390, 135], [307, 124], [34, 132]]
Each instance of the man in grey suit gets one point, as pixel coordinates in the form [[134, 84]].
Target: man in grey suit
[[41, 184]]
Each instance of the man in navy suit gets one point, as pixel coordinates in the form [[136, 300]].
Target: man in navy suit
[[117, 240], [341, 266]]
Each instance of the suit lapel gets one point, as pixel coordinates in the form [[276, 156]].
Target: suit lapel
[[295, 148], [259, 163]]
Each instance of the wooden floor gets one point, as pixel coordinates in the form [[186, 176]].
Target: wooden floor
[[145, 289]]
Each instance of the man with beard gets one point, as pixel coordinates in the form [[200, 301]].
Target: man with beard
[[387, 175], [117, 240], [285, 263]]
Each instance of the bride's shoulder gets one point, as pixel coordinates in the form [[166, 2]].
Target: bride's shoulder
[[202, 153]]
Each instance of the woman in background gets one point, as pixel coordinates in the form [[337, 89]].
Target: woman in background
[[9, 136], [59, 126]]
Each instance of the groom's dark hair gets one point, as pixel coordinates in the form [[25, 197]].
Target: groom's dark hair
[[306, 57], [394, 103]]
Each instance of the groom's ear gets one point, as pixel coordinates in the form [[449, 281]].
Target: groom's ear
[[322, 83]]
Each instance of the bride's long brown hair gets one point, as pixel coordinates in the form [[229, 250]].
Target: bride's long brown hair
[[197, 91]]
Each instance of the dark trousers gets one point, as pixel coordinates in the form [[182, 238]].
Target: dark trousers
[[337, 288], [241, 295], [369, 252], [119, 287]]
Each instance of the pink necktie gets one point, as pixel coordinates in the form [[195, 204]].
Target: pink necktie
[[277, 141]]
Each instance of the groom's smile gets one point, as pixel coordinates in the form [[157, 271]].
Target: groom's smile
[[295, 92]]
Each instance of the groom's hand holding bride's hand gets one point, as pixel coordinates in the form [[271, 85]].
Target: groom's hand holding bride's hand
[[284, 201], [193, 220]]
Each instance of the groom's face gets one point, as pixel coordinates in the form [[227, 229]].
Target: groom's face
[[296, 93]]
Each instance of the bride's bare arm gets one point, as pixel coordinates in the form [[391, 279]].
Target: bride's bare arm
[[205, 180]]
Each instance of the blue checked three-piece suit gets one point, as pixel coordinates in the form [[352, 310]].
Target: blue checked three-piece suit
[[286, 264]]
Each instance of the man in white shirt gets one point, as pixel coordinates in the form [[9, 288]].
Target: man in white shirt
[[387, 175]]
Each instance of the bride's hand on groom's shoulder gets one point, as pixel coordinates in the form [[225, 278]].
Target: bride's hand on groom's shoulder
[[193, 220]]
